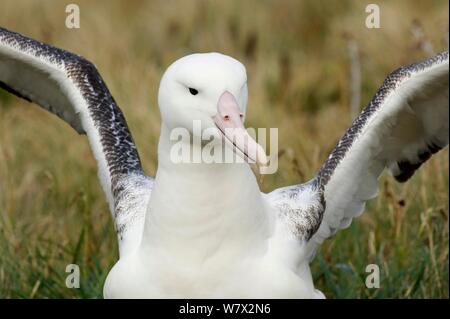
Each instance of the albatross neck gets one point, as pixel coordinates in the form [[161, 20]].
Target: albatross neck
[[203, 202]]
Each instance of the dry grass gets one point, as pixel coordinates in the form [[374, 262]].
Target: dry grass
[[52, 209]]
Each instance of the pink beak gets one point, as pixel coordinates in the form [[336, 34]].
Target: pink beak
[[230, 122]]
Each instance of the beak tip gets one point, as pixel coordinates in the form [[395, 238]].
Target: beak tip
[[262, 160]]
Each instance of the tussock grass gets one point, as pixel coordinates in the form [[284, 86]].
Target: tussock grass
[[52, 209]]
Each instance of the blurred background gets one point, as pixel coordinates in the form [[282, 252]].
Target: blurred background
[[311, 65]]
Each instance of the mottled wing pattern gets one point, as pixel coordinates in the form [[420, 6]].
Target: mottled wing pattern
[[70, 87], [402, 126], [299, 208]]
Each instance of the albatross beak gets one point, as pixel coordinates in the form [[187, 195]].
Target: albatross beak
[[229, 120]]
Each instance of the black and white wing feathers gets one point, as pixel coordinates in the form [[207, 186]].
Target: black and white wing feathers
[[69, 86], [403, 125]]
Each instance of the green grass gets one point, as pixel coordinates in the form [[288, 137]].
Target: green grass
[[53, 211]]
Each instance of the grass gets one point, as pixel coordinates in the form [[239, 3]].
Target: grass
[[53, 211]]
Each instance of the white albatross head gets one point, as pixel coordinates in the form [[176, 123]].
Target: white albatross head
[[210, 88]]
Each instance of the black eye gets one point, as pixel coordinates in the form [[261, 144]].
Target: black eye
[[193, 91]]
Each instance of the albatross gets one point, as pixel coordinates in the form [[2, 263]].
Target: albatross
[[205, 230]]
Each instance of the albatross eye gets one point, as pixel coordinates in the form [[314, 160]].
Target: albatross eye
[[193, 91]]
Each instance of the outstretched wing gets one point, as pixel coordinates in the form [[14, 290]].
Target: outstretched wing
[[70, 87], [405, 123]]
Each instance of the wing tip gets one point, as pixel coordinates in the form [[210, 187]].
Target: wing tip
[[405, 169]]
